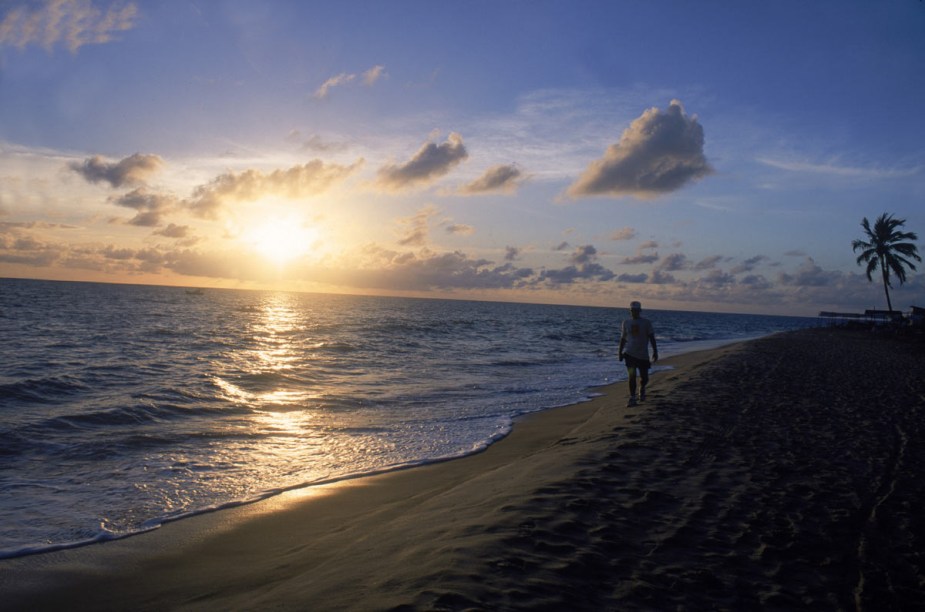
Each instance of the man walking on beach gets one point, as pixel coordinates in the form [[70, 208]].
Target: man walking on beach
[[635, 336]]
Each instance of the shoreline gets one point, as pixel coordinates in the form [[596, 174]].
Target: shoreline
[[589, 506], [156, 523]]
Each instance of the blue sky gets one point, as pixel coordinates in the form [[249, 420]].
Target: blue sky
[[700, 156]]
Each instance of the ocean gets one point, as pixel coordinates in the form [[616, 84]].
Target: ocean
[[123, 407]]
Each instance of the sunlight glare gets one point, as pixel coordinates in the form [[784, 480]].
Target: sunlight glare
[[282, 239]]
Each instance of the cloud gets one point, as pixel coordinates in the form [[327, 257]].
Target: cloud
[[71, 23], [640, 258], [708, 263], [133, 170], [315, 143], [584, 254], [626, 233], [460, 228], [497, 179], [660, 152], [150, 207], [633, 278], [748, 265], [717, 278], [674, 262], [335, 81], [19, 246], [430, 163], [809, 274], [309, 179], [174, 231], [839, 170], [755, 281], [660, 277], [511, 253], [372, 75], [417, 227], [369, 78], [426, 270], [583, 266]]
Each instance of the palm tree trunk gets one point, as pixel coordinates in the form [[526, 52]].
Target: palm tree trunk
[[886, 284]]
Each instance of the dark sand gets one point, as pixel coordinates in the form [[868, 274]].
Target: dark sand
[[784, 473]]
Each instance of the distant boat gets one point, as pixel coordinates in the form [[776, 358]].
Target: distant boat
[[195, 291]]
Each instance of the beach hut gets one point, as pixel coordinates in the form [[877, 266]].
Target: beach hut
[[917, 318]]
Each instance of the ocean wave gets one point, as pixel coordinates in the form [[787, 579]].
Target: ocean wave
[[106, 534], [49, 390], [336, 347]]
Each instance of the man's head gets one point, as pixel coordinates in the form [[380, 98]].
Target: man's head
[[635, 308]]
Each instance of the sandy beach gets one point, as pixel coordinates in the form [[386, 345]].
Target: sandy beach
[[782, 473]]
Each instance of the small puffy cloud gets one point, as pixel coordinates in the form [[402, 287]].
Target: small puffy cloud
[[309, 179], [717, 278], [625, 233], [460, 228], [755, 281], [809, 274], [315, 143], [368, 78], [640, 258], [660, 152], [372, 75], [71, 23], [335, 81], [584, 267], [430, 163], [562, 246], [633, 278], [511, 253], [133, 170], [584, 254], [708, 263], [173, 231], [674, 262], [417, 227], [748, 265], [497, 179], [660, 277], [150, 207]]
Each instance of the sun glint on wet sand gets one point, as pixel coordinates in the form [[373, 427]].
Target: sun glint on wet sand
[[786, 472]]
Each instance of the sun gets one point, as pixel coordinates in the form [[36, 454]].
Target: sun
[[282, 239]]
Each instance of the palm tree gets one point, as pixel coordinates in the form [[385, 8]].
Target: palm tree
[[886, 248]]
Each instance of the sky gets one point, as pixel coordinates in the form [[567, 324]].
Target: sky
[[706, 156]]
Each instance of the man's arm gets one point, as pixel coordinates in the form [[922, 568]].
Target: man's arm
[[622, 342], [654, 347]]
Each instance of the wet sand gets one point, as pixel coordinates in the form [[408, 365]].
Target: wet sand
[[782, 473]]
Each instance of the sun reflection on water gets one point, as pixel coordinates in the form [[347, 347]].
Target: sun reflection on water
[[292, 433], [266, 376]]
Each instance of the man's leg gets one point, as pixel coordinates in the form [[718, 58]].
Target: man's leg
[[644, 380], [631, 371]]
